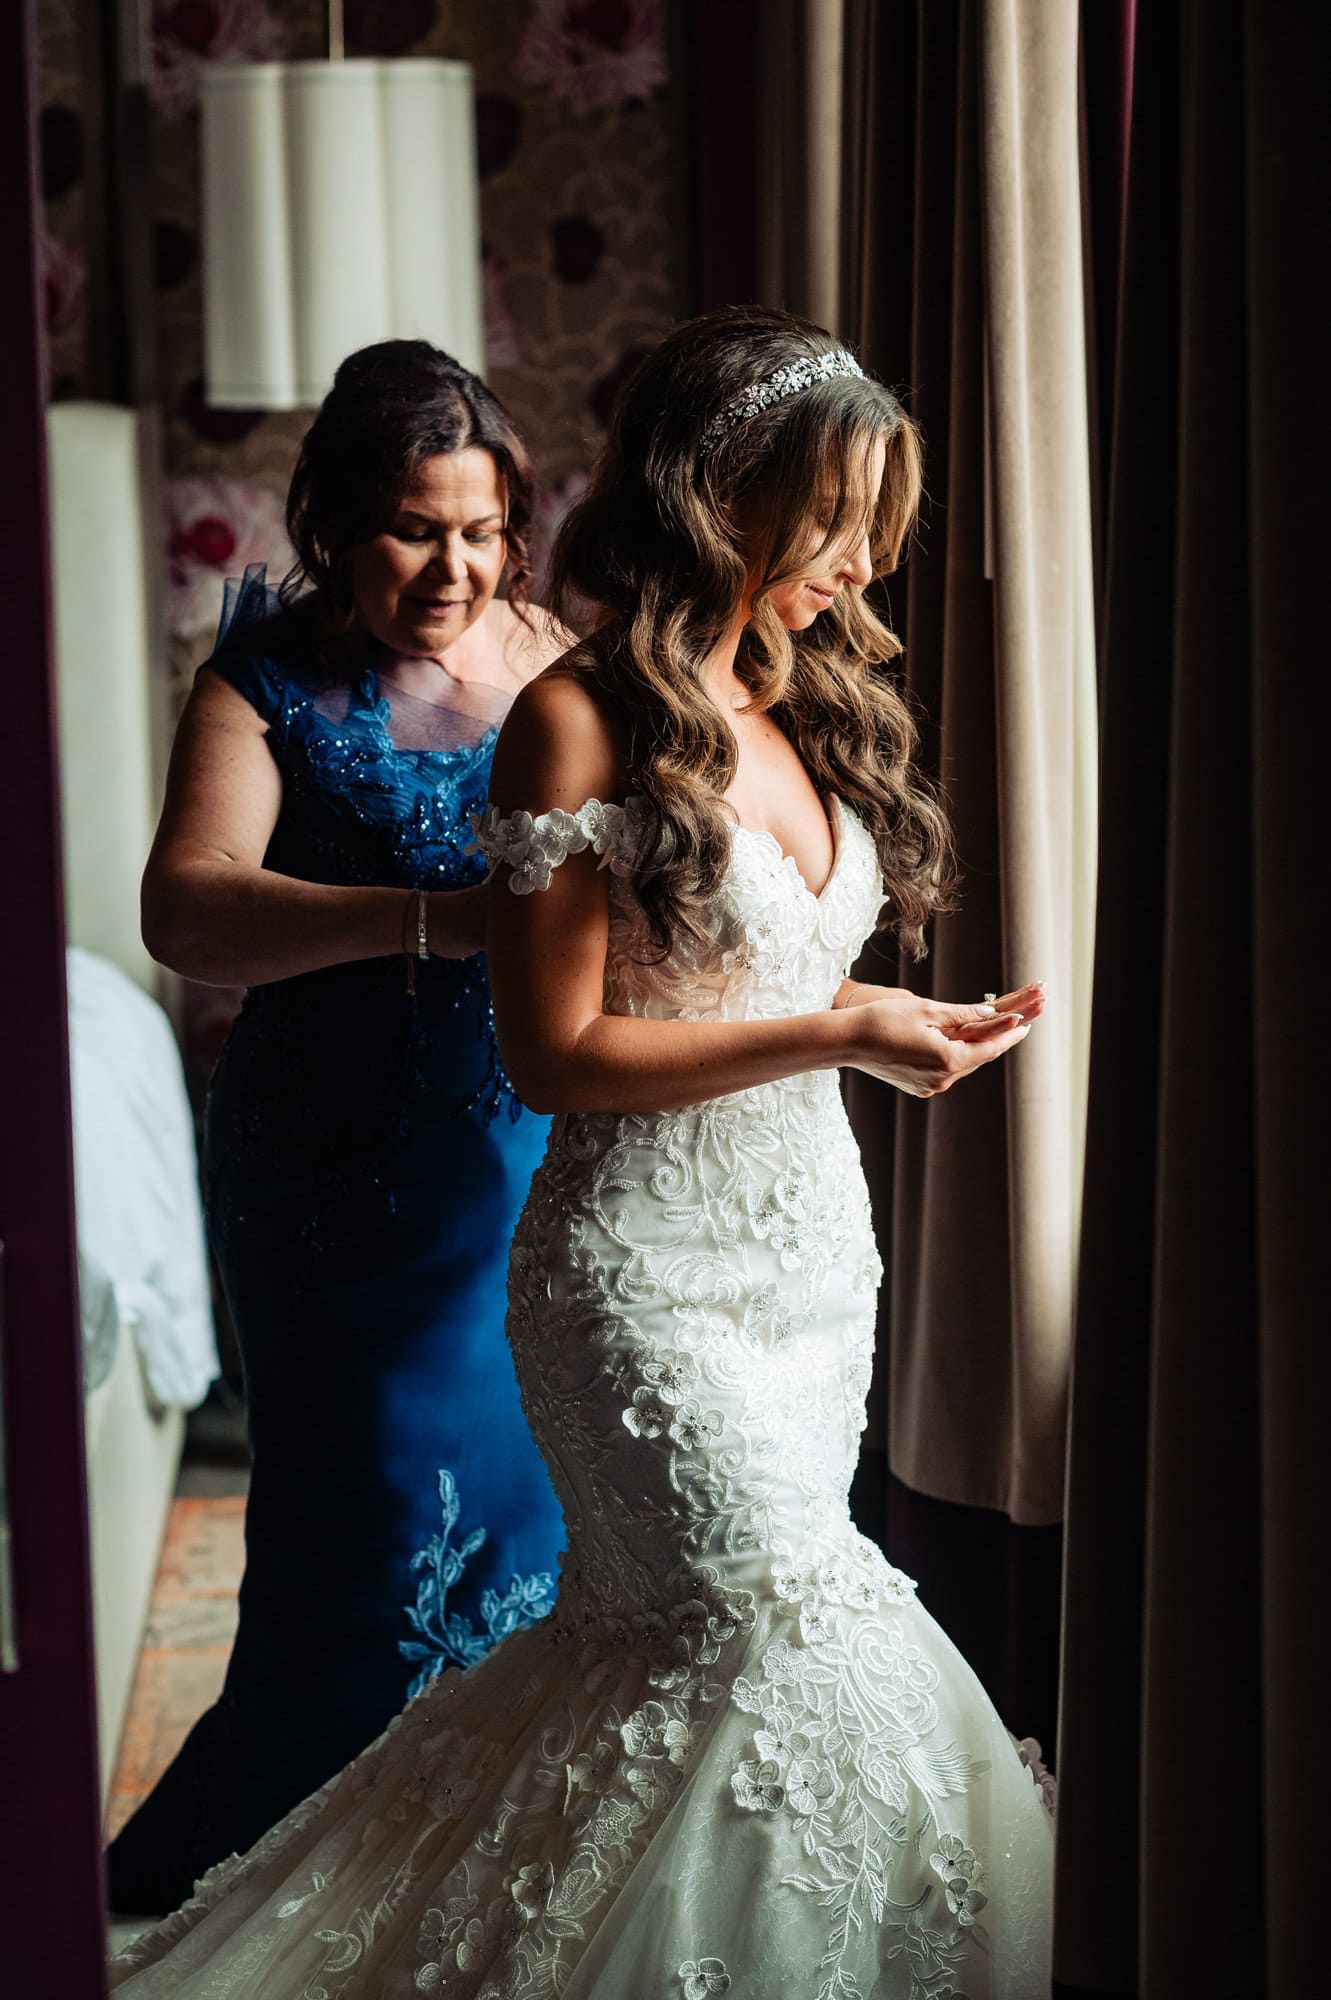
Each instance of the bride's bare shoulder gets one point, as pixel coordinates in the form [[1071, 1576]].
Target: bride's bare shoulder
[[560, 744]]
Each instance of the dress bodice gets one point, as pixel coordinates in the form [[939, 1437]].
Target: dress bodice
[[769, 946], [379, 786], [743, 1215]]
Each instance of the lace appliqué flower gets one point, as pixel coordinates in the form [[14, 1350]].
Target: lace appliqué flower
[[959, 1869], [842, 1746], [757, 1785], [653, 1732], [700, 1978], [533, 847], [856, 1576]]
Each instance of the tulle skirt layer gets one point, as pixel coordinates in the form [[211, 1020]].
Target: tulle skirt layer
[[826, 1806]]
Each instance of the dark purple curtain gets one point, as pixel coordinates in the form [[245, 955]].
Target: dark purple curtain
[[719, 55], [50, 1847], [1192, 1705]]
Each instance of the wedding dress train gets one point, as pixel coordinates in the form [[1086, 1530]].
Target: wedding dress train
[[738, 1757]]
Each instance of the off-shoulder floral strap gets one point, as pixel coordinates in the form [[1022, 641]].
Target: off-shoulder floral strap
[[533, 848]]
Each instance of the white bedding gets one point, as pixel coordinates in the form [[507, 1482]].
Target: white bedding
[[142, 1261]]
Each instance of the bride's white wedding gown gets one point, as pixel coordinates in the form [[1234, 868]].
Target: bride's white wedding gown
[[738, 1757]]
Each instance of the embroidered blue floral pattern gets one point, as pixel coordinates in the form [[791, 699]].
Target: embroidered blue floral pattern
[[447, 1638]]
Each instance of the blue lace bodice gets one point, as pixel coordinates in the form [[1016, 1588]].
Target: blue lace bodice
[[378, 788], [379, 785]]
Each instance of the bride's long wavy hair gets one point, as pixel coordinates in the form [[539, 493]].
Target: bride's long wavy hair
[[665, 544]]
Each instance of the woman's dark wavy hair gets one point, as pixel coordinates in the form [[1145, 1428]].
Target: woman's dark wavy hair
[[664, 544], [391, 407]]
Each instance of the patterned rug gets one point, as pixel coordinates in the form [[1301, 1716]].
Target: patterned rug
[[186, 1643]]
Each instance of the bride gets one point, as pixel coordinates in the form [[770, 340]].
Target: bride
[[738, 1757]]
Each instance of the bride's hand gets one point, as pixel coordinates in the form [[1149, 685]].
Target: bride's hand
[[925, 1046]]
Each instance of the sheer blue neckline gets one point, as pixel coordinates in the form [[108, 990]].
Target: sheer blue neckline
[[257, 625], [381, 701]]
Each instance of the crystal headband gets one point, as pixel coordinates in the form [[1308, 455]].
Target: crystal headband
[[790, 380]]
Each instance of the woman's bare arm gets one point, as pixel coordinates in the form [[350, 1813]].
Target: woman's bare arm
[[547, 963], [212, 911]]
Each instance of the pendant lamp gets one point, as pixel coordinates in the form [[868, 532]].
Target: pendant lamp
[[340, 207]]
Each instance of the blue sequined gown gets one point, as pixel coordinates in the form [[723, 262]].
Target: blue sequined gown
[[365, 1162]]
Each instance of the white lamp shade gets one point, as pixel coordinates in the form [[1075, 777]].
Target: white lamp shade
[[340, 207]]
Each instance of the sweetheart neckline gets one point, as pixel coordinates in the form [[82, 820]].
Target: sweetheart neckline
[[545, 839], [834, 818]]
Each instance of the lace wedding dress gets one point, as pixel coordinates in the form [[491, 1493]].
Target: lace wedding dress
[[738, 1757]]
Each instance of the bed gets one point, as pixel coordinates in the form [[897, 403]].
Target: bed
[[149, 1345]]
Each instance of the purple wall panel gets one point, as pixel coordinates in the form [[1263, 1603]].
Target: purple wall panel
[[50, 1863]]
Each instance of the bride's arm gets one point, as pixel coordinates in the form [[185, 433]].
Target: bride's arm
[[547, 962]]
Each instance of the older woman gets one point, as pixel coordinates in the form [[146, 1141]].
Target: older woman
[[365, 1156]]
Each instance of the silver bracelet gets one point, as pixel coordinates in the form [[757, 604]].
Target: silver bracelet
[[422, 924]]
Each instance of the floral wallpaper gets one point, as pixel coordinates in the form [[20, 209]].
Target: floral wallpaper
[[582, 172], [581, 168]]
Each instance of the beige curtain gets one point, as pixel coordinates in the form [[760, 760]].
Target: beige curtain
[[1000, 655], [1039, 556]]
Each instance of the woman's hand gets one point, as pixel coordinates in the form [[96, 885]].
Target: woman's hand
[[925, 1046], [455, 921]]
